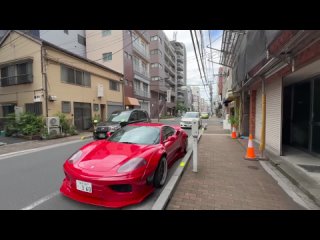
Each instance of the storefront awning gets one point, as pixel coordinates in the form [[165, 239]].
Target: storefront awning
[[131, 101]]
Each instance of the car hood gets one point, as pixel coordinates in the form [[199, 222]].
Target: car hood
[[188, 119], [107, 124], [105, 156]]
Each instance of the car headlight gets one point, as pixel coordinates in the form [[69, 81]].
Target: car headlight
[[76, 156], [132, 164]]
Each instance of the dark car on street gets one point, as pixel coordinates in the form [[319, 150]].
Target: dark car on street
[[119, 119]]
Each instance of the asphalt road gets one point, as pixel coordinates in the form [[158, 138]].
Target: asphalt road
[[32, 180]]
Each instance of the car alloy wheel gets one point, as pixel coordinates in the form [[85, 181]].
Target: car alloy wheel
[[161, 173]]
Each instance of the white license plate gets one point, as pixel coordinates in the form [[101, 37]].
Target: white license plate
[[84, 186], [102, 135]]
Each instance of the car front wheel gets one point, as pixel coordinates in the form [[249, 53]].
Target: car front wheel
[[161, 173]]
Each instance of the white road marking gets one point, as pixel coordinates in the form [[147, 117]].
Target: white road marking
[[14, 154], [41, 200], [295, 193]]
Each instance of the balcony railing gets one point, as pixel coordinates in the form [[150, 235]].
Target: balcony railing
[[141, 93], [141, 50], [140, 70], [180, 66], [180, 74]]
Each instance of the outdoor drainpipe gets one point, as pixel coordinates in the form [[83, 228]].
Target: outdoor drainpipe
[[263, 120]]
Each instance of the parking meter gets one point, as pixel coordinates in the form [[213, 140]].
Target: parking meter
[[195, 128]]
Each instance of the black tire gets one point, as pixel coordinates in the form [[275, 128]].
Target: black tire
[[159, 179], [185, 145]]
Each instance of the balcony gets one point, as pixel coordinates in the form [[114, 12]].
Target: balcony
[[180, 82], [143, 52], [170, 81], [141, 93], [179, 50], [180, 59], [180, 91], [180, 74], [141, 71], [180, 66], [180, 97]]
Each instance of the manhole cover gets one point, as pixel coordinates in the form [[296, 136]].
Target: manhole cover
[[311, 168], [253, 167]]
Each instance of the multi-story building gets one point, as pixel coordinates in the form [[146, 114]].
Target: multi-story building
[[196, 98], [189, 99], [71, 40], [181, 54], [126, 51], [276, 76], [37, 76], [163, 62]]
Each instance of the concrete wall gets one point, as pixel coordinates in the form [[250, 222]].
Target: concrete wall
[[97, 45], [66, 41]]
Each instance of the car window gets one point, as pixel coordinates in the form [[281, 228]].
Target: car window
[[119, 117], [136, 135], [191, 115], [134, 116], [167, 132], [142, 116]]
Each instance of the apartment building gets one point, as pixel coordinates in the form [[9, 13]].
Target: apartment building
[[39, 77], [196, 98], [181, 54], [125, 51], [163, 62]]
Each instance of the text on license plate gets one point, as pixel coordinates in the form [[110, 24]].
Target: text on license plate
[[84, 186]]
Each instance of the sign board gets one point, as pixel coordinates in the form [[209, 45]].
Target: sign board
[[169, 95], [100, 90]]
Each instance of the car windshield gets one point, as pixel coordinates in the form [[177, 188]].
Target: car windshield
[[191, 115], [119, 117], [136, 135]]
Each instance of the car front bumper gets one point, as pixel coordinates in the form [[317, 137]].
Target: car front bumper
[[102, 193]]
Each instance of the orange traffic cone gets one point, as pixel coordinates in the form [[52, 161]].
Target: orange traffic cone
[[233, 134], [250, 150]]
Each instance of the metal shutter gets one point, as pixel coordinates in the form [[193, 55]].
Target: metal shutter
[[111, 108], [273, 118]]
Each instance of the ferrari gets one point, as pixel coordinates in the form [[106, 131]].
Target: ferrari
[[125, 168]]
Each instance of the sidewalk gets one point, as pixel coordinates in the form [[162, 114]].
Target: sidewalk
[[225, 180], [15, 147]]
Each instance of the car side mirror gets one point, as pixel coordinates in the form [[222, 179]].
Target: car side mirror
[[122, 124], [171, 138], [178, 132]]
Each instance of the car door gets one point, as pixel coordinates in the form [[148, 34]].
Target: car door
[[142, 116], [170, 146]]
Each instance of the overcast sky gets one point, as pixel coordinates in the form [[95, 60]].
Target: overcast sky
[[193, 75]]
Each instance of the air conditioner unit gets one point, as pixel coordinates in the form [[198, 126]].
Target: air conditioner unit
[[53, 122], [53, 131], [52, 98]]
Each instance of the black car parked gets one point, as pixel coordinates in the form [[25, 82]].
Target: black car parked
[[119, 119]]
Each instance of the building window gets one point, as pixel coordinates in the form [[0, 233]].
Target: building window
[[156, 51], [113, 85], [65, 107], [156, 65], [106, 33], [35, 108], [155, 78], [155, 38], [95, 107], [17, 73], [66, 31], [107, 56], [81, 40], [74, 76]]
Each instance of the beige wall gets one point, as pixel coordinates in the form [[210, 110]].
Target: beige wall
[[17, 47], [97, 45], [23, 47], [74, 93]]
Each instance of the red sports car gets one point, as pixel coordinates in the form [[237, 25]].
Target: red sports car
[[126, 167]]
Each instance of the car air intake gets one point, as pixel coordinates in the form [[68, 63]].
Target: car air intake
[[121, 188]]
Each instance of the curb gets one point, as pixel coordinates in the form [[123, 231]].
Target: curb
[[167, 192]]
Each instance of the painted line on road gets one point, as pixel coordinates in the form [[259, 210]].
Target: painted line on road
[[40, 201], [19, 153]]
